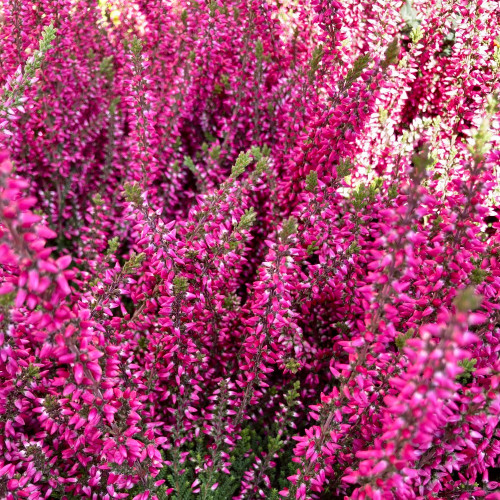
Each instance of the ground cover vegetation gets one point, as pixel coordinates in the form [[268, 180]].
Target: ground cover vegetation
[[249, 249]]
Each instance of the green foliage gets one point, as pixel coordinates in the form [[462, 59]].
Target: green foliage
[[312, 248], [416, 35], [134, 262], [142, 343], [315, 62], [360, 64], [261, 166], [212, 5], [312, 181], [106, 68], [409, 15], [181, 285], [364, 194], [189, 163], [51, 404], [209, 136], [448, 43], [133, 193], [257, 153], [292, 395], [467, 300], [492, 105], [113, 245], [423, 160], [184, 17], [33, 64], [344, 167], [31, 372], [393, 191], [48, 36], [343, 327], [292, 365], [7, 300], [482, 136], [469, 366], [229, 484], [259, 50], [231, 302], [136, 46], [391, 53], [242, 162], [262, 162], [436, 223], [256, 441], [289, 228], [383, 114], [402, 338], [496, 54], [113, 104], [97, 199], [247, 220], [353, 248], [478, 275], [215, 152], [287, 468], [241, 459]]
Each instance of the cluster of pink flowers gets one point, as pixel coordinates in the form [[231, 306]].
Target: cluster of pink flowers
[[249, 249]]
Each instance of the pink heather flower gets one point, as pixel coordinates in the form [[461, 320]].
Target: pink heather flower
[[243, 243]]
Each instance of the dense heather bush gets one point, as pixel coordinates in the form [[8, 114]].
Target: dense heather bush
[[249, 249]]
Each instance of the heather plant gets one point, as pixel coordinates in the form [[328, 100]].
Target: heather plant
[[249, 249]]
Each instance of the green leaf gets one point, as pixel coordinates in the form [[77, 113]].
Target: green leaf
[[391, 53], [358, 67], [247, 219], [289, 228], [242, 162], [312, 181], [467, 300], [409, 15], [181, 285]]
